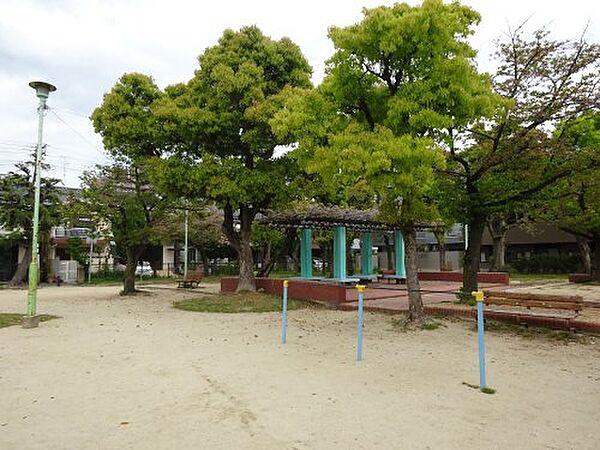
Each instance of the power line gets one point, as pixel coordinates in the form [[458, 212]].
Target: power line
[[71, 112], [76, 132]]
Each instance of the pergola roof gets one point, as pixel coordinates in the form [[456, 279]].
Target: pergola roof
[[325, 217]]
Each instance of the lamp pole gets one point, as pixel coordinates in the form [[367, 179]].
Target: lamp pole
[[42, 90]]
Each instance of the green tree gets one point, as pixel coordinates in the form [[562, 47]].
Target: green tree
[[220, 144], [126, 118], [514, 157], [120, 195], [572, 204], [16, 210], [399, 84]]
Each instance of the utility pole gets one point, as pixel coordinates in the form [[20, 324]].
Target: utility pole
[[185, 246], [90, 266], [42, 91]]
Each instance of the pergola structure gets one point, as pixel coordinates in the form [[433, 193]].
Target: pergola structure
[[340, 220]]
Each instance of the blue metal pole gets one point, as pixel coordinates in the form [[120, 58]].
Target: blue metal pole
[[479, 298], [360, 288], [285, 302]]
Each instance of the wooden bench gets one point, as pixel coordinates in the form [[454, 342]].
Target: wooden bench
[[526, 300], [191, 280]]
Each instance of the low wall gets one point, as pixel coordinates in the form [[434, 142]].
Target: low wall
[[297, 289], [579, 277], [482, 277]]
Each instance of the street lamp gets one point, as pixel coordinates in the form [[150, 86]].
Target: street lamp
[[42, 90]]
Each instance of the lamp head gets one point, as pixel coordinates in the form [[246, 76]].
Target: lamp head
[[42, 89]]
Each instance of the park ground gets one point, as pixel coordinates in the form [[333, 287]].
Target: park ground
[[134, 372]]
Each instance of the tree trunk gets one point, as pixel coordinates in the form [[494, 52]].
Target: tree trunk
[[246, 261], [245, 258], [292, 248], [294, 254], [473, 255], [22, 268], [133, 255], [585, 252], [389, 250], [442, 250], [440, 237], [498, 228], [204, 261], [240, 241], [415, 303], [498, 258]]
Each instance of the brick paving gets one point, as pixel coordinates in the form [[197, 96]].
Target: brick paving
[[439, 298]]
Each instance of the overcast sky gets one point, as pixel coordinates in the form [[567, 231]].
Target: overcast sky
[[84, 46]]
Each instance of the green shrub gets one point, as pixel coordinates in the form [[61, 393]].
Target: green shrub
[[548, 264]]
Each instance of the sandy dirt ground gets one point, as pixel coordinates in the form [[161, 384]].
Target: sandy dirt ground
[[136, 373]]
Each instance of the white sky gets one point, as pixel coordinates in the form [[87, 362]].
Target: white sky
[[84, 46]]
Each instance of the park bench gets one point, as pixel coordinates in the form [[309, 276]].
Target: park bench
[[365, 278], [526, 300], [389, 276], [191, 280]]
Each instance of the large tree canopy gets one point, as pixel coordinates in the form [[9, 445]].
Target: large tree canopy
[[515, 156], [220, 144], [126, 119], [399, 84]]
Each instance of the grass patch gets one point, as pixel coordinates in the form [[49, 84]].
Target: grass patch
[[485, 390], [538, 277], [241, 302], [10, 319], [432, 325], [559, 336], [402, 324]]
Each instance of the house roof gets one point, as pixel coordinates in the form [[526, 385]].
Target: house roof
[[538, 234]]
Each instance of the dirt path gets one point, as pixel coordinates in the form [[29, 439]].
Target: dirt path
[[135, 373]]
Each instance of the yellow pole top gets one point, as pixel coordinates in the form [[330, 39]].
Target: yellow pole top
[[285, 283], [478, 295], [360, 288]]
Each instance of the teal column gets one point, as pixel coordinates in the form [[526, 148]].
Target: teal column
[[306, 253], [399, 248], [366, 253], [339, 252]]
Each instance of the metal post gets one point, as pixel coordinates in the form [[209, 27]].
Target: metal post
[[479, 299], [90, 268], [284, 322], [466, 236], [42, 92], [306, 253], [185, 246], [366, 253], [399, 253], [360, 288], [339, 253]]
